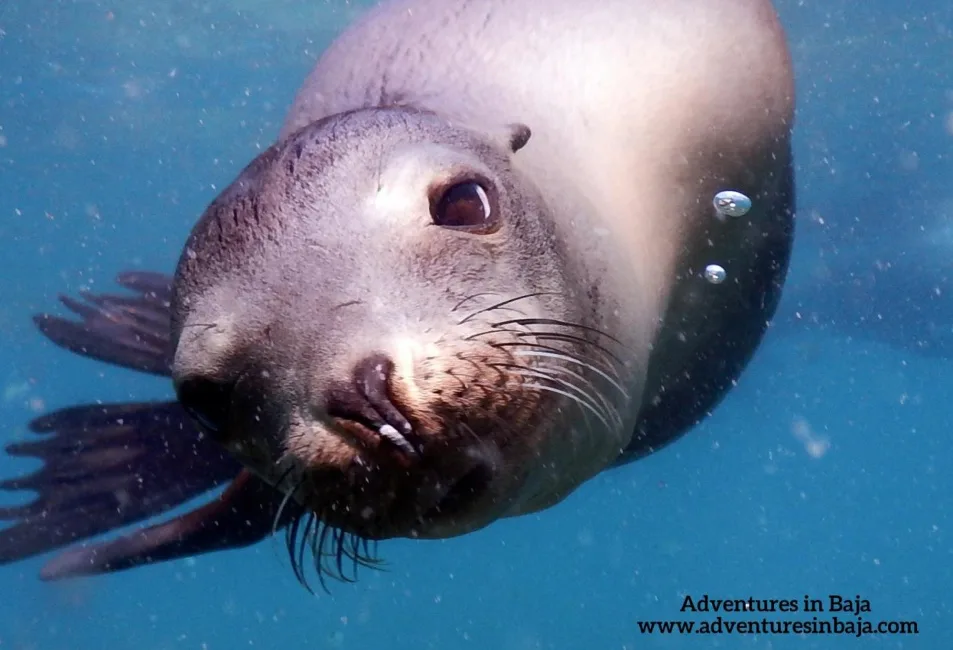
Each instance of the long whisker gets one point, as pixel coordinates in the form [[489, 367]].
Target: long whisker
[[509, 301], [478, 335], [558, 336], [318, 541], [329, 545], [584, 381], [574, 360], [291, 537], [555, 336], [339, 553], [472, 297], [554, 321], [284, 501], [312, 521], [550, 336], [581, 395], [605, 367], [572, 397]]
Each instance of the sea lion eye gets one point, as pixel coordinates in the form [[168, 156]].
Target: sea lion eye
[[465, 205]]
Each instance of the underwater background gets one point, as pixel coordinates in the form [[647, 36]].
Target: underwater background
[[826, 471]]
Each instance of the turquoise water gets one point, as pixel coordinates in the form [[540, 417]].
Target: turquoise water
[[825, 472]]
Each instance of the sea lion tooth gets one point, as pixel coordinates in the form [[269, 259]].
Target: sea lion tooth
[[394, 436]]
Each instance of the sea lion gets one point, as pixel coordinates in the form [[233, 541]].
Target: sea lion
[[483, 262]]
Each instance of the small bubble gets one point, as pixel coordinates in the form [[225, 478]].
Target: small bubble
[[731, 204], [715, 274]]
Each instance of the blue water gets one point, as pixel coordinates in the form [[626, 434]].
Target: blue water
[[827, 471]]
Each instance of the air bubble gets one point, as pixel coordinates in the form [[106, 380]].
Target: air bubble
[[715, 274], [731, 204]]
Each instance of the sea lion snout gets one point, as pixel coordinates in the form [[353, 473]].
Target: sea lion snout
[[392, 450]]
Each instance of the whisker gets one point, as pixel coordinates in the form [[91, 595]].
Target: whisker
[[472, 337], [472, 297], [460, 376], [291, 537], [554, 321], [572, 397], [490, 415], [284, 501], [593, 393], [329, 546], [317, 550], [608, 366], [572, 359], [351, 553], [339, 553], [509, 301], [554, 336], [309, 528], [550, 336], [562, 370], [583, 397], [468, 429]]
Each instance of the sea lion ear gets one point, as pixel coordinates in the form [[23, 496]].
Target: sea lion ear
[[512, 136], [519, 136]]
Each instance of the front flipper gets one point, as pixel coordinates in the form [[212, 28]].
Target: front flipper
[[132, 331], [245, 513], [107, 466]]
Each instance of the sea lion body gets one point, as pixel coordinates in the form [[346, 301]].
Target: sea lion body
[[445, 163]]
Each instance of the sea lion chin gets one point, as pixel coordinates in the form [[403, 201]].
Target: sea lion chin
[[378, 317]]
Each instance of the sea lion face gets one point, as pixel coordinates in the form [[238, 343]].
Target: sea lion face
[[377, 318]]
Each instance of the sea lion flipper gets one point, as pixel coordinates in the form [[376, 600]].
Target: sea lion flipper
[[242, 515], [132, 331], [107, 466]]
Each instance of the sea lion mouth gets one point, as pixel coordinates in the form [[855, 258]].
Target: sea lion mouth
[[405, 476], [386, 495], [463, 492]]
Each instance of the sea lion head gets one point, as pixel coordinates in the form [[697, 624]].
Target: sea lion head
[[379, 318]]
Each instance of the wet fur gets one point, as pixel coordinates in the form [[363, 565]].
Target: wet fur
[[276, 294]]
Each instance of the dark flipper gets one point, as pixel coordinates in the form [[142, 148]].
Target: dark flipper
[[242, 515], [106, 466], [132, 331]]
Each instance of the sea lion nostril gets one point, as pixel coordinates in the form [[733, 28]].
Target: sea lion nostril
[[372, 376], [367, 402], [207, 401]]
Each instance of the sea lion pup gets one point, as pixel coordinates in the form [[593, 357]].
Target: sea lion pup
[[496, 250]]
